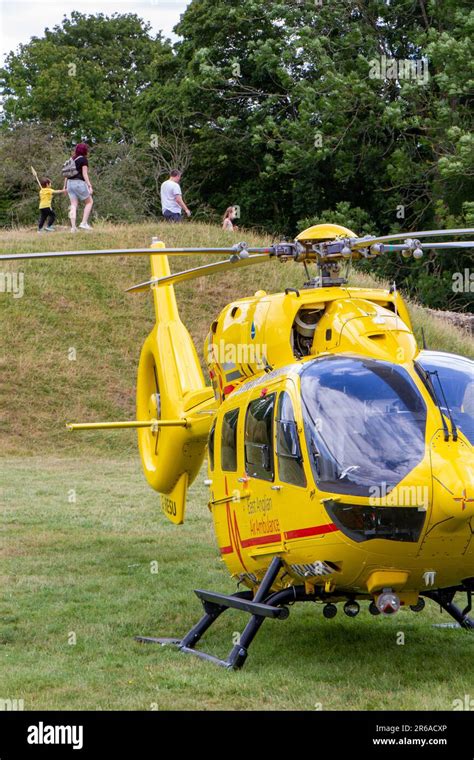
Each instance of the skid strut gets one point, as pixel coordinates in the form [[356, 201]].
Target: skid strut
[[444, 597], [264, 604]]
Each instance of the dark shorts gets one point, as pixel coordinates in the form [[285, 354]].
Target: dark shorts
[[172, 216]]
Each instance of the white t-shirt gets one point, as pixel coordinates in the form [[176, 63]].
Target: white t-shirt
[[169, 190]]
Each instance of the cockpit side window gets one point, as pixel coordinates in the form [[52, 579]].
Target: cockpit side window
[[229, 441], [288, 449], [259, 438]]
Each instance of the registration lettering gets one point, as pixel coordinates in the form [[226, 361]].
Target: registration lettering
[[168, 506]]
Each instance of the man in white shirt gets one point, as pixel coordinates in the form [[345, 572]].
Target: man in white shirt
[[171, 198]]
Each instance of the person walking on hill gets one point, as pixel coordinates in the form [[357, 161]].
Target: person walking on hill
[[228, 220], [78, 186], [46, 205], [172, 203]]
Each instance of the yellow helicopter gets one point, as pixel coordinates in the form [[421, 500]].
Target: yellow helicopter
[[340, 454]]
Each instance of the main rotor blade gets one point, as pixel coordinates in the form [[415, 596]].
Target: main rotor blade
[[364, 242], [129, 252], [203, 271], [427, 246]]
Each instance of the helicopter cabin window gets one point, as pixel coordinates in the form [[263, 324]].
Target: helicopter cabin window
[[210, 445], [290, 460], [229, 441], [259, 438], [365, 423]]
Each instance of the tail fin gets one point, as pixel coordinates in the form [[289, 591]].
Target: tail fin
[[170, 385]]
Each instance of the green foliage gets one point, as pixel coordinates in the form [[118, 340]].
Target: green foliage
[[85, 73], [118, 171], [430, 280], [356, 219]]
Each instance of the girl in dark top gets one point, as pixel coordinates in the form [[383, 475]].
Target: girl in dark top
[[79, 188]]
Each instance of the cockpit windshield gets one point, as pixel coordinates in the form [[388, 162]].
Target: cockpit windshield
[[456, 374], [364, 423]]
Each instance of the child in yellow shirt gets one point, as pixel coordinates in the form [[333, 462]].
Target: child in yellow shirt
[[46, 205]]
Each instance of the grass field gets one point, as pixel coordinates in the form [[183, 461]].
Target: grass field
[[80, 528], [84, 568]]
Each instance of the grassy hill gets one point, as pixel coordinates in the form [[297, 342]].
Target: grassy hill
[[81, 305]]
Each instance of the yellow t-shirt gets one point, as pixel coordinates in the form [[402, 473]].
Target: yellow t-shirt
[[46, 197]]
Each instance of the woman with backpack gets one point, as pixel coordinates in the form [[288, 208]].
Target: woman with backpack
[[78, 186]]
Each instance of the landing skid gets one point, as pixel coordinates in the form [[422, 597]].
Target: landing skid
[[263, 605]]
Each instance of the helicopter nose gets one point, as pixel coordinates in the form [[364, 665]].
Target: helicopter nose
[[453, 478]]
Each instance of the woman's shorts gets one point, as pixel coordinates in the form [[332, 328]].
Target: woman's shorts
[[77, 190]]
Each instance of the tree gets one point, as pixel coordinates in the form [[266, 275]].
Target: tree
[[293, 108], [84, 74]]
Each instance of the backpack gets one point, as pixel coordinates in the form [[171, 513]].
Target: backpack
[[69, 169]]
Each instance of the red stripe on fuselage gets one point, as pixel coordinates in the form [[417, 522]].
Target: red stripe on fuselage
[[273, 538], [316, 530]]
